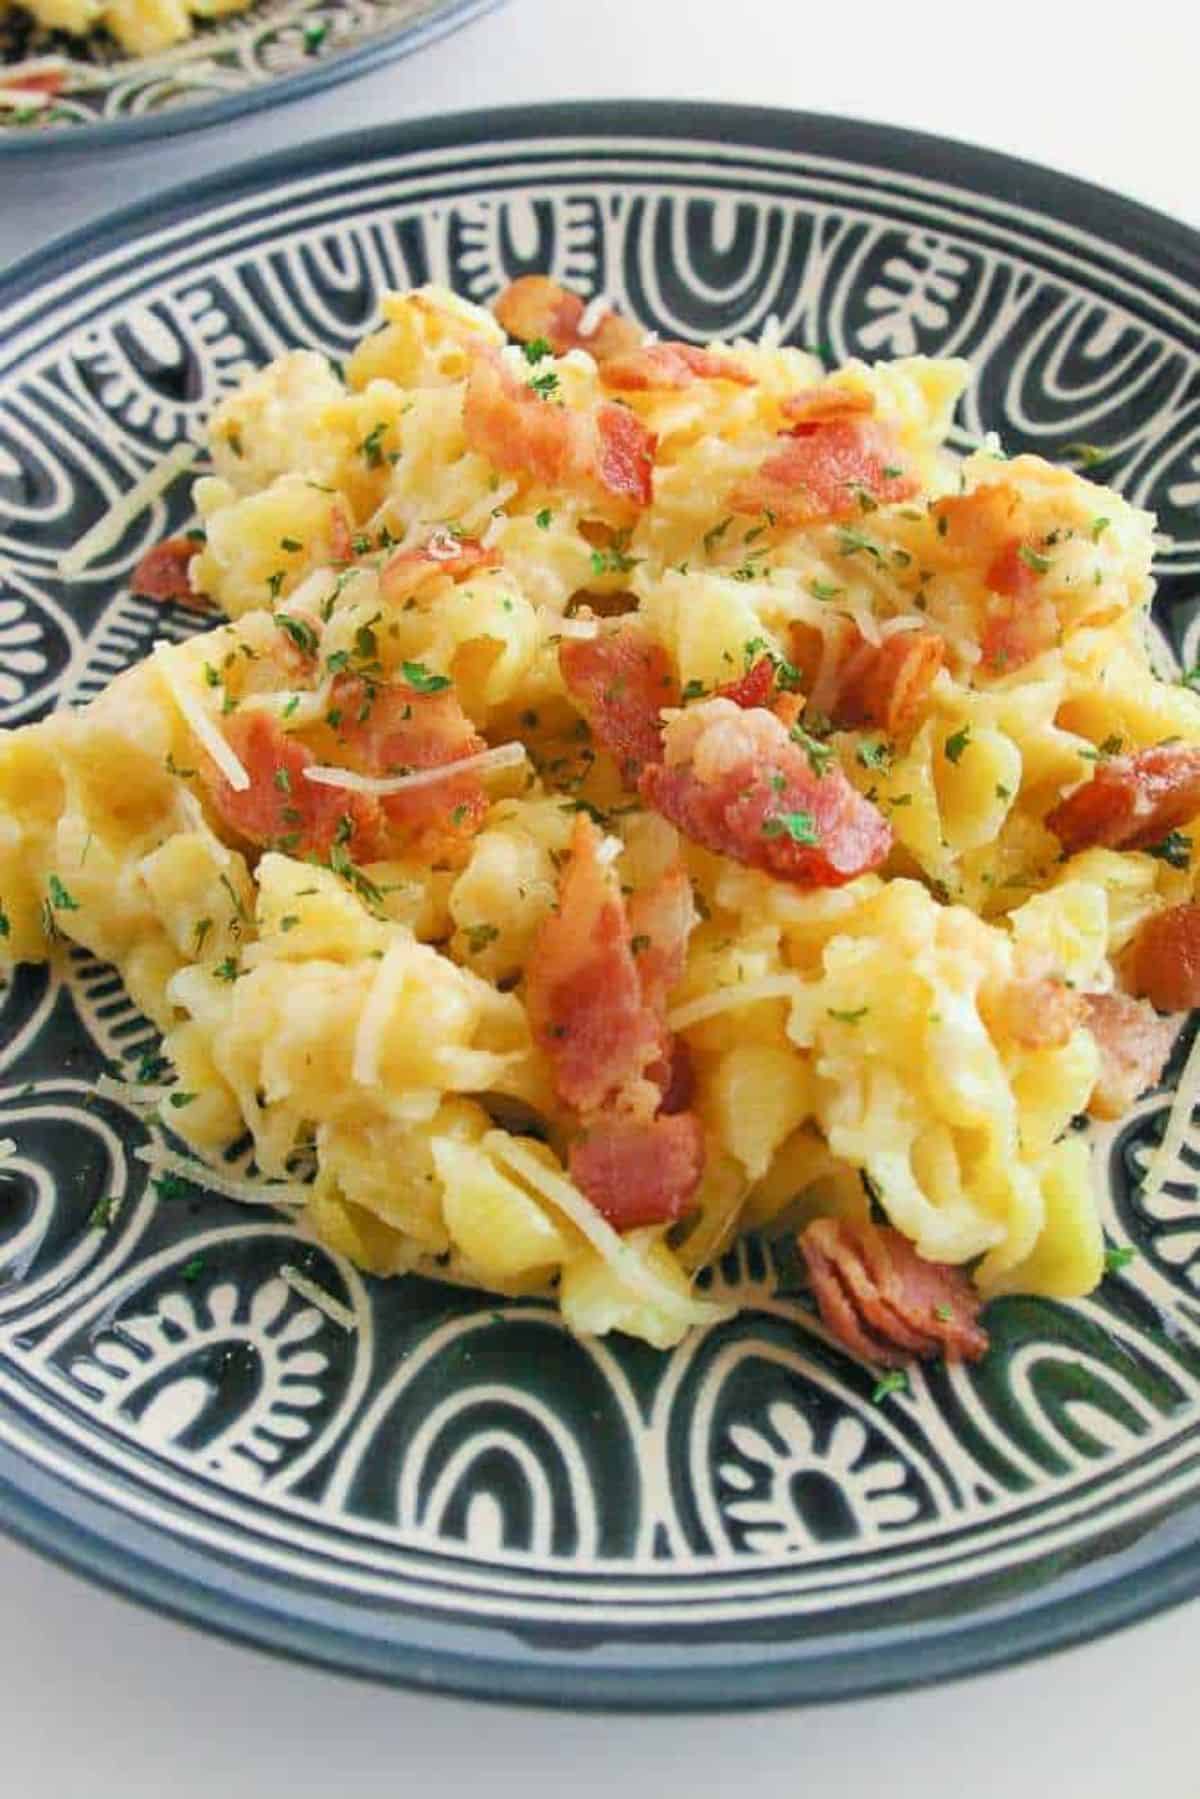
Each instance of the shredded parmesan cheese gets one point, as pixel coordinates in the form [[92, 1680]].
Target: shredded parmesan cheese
[[505, 755], [624, 1261], [8, 1149], [246, 1192], [112, 526], [1162, 1166], [205, 730], [607, 850], [368, 1039], [317, 1296], [25, 98], [730, 999], [292, 706], [594, 315]]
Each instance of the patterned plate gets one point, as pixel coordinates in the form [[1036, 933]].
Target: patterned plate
[[278, 50], [458, 1494]]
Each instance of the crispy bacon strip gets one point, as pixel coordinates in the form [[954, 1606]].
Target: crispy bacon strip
[[987, 529], [661, 919], [38, 81], [1164, 962], [620, 681], [606, 449], [1134, 1044], [582, 987], [670, 366], [442, 553], [886, 686], [535, 307], [282, 810], [885, 1303], [1037, 1014], [640, 1171], [393, 729], [975, 527], [1131, 802], [162, 573], [819, 470], [735, 782]]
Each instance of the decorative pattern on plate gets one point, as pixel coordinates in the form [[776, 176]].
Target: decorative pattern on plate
[[454, 1456], [227, 63]]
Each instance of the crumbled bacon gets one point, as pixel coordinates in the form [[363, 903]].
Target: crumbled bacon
[[606, 449], [442, 553], [883, 1301], [1131, 802], [341, 537], [620, 681], [163, 573], [583, 992], [755, 688], [820, 470], [1164, 961], [675, 1077], [1134, 1043], [37, 81], [975, 527], [1015, 632], [886, 686], [640, 1171], [735, 782], [661, 919], [1036, 1014], [671, 366], [534, 307], [392, 729], [281, 809], [820, 405]]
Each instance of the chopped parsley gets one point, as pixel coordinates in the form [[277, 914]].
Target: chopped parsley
[[1110, 747], [613, 561], [179, 1100], [234, 440], [694, 690], [172, 767], [639, 944], [289, 921], [1088, 454], [543, 518], [854, 1017], [275, 582], [545, 385], [1033, 559], [291, 544], [799, 826], [371, 447], [850, 542], [200, 934], [314, 36], [228, 970], [60, 899], [957, 743], [478, 936], [419, 678], [191, 1271], [5, 926], [1175, 849], [1099, 527], [1116, 1259], [282, 780], [895, 1381], [301, 634], [820, 755], [536, 350], [945, 1313], [713, 537], [825, 590], [104, 1213], [1003, 792], [874, 755]]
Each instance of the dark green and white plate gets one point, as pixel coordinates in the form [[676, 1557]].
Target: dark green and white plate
[[458, 1494]]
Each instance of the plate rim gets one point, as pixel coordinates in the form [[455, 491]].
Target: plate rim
[[385, 46], [85, 1535]]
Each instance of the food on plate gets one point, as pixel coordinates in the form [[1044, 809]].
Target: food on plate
[[33, 73], [626, 793]]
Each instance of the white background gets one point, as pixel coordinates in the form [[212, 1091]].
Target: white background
[[98, 1698]]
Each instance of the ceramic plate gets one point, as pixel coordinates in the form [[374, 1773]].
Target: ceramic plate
[[278, 50], [457, 1493]]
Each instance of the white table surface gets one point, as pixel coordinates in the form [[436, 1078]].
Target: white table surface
[[98, 1698]]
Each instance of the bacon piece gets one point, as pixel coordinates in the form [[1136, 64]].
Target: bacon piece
[[675, 1077], [820, 405], [883, 1301], [886, 686], [975, 527], [281, 809], [820, 469], [755, 688], [735, 782], [1014, 632], [1131, 802], [341, 537], [606, 449], [620, 681], [162, 573], [661, 919], [671, 366], [1134, 1044], [38, 81], [535, 307], [442, 553], [582, 988], [640, 1171], [1040, 1014], [1164, 963], [393, 729]]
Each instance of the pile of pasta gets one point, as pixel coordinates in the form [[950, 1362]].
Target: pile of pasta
[[141, 27], [639, 793]]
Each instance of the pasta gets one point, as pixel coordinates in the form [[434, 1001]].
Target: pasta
[[638, 793]]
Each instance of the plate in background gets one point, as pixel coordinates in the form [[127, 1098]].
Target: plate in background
[[458, 1494], [279, 50]]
